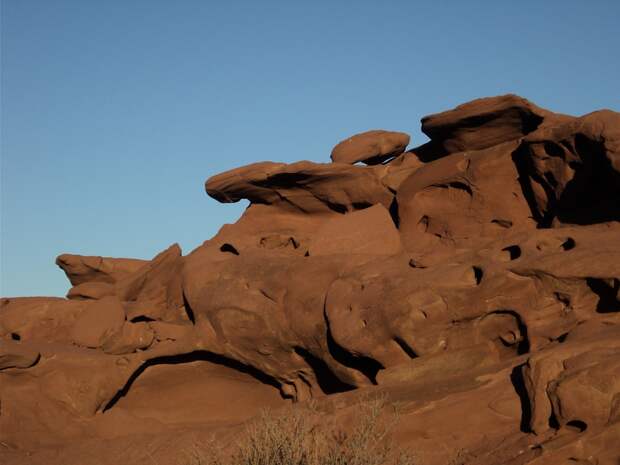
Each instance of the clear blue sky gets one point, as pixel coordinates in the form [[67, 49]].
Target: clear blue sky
[[115, 112]]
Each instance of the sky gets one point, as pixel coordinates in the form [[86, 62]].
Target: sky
[[115, 112]]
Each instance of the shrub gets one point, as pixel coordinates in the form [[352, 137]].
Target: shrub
[[292, 438]]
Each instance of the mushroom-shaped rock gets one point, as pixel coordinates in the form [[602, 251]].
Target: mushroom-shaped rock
[[82, 269], [302, 187], [485, 122], [370, 147]]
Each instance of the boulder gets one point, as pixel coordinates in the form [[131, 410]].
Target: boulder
[[371, 147], [485, 122]]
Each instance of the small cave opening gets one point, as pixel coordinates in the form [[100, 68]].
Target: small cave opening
[[577, 425], [406, 348], [16, 337], [608, 291], [141, 319], [478, 274], [325, 377], [523, 345], [195, 356], [393, 210], [361, 205], [514, 251], [518, 383], [568, 244], [229, 248], [188, 309]]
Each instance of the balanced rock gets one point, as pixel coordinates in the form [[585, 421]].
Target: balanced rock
[[371, 147]]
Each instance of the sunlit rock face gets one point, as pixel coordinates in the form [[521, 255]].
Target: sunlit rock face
[[474, 280]]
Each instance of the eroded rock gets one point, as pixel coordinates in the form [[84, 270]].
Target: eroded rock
[[371, 147], [474, 280]]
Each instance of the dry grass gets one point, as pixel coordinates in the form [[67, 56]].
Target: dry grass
[[293, 438]]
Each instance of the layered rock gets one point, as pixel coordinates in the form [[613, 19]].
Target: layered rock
[[475, 280]]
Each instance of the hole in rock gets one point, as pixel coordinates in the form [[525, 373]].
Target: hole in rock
[[423, 224], [577, 425], [413, 263], [394, 212], [518, 383], [591, 195], [502, 223], [607, 291], [141, 318], [196, 386], [188, 309], [361, 205], [342, 209], [478, 274], [523, 344], [514, 251], [16, 337], [568, 244], [553, 421], [325, 377], [229, 248], [553, 150], [405, 347]]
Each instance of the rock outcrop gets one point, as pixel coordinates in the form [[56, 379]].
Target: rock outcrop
[[475, 280]]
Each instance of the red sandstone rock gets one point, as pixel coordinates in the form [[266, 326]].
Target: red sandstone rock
[[99, 322], [486, 122], [474, 280], [371, 147], [16, 355], [82, 269]]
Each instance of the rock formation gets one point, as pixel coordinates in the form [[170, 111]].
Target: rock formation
[[474, 279]]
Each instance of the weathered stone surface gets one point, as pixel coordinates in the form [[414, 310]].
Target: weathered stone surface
[[16, 355], [369, 231], [571, 171], [154, 291], [99, 322], [475, 281], [301, 187], [91, 290], [486, 122], [370, 147], [82, 269]]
